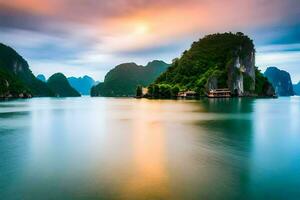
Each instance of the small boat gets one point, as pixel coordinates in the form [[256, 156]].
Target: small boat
[[219, 93]]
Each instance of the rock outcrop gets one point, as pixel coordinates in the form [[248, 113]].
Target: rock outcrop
[[296, 88], [124, 78], [217, 61], [281, 81], [59, 84], [242, 69], [16, 68], [12, 87]]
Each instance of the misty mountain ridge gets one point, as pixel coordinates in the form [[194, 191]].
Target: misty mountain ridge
[[82, 84]]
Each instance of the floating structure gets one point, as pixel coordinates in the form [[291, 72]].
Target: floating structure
[[219, 93], [144, 91], [187, 94]]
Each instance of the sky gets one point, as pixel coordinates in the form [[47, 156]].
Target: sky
[[90, 37]]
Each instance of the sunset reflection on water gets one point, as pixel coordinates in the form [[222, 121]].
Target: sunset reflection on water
[[149, 158]]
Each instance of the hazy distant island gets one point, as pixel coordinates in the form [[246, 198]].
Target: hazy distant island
[[124, 79], [219, 61], [41, 77], [296, 88], [82, 84], [281, 81]]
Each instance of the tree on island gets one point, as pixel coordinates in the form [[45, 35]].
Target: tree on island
[[139, 91]]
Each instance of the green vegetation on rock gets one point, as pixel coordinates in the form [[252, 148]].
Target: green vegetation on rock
[[12, 86], [163, 91], [262, 86], [16, 68], [139, 91], [216, 61]]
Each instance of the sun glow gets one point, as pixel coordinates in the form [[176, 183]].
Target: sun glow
[[141, 28]]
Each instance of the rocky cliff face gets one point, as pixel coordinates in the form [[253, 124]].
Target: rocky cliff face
[[242, 70], [281, 81], [296, 88]]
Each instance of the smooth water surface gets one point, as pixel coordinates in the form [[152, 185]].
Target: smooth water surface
[[107, 148]]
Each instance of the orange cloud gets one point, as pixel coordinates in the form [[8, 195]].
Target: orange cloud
[[163, 24]]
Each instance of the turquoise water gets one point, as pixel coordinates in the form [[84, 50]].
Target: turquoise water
[[106, 148]]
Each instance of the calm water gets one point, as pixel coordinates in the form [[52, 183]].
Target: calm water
[[106, 148]]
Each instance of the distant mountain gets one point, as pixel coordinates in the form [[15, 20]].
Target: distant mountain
[[82, 84], [41, 77], [281, 81], [20, 77], [296, 88], [59, 84], [124, 78], [221, 60]]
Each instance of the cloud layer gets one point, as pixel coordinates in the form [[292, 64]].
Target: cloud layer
[[90, 37]]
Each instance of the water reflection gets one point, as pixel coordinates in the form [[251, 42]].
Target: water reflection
[[275, 157], [226, 105], [106, 148], [14, 126], [149, 178]]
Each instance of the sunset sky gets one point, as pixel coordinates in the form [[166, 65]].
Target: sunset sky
[[90, 37]]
